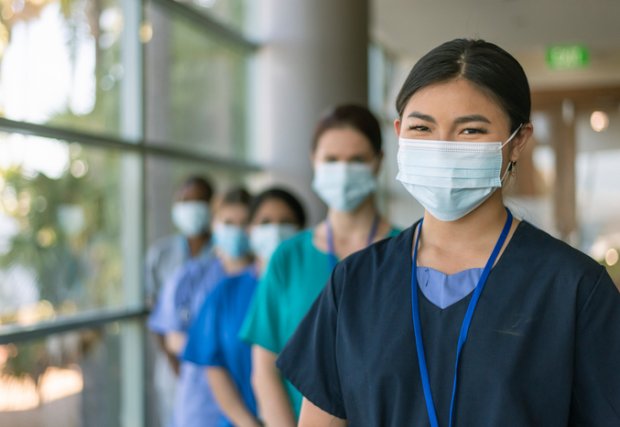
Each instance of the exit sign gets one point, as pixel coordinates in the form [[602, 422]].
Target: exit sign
[[567, 57]]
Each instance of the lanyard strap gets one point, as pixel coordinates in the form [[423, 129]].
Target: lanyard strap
[[417, 327], [331, 251]]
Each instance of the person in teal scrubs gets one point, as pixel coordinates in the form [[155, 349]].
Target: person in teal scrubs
[[346, 157]]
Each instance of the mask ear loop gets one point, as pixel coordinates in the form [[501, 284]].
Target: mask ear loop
[[512, 135]]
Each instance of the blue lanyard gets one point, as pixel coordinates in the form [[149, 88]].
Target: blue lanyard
[[331, 251], [417, 327]]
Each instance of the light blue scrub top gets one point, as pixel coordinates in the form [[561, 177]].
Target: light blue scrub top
[[178, 304], [164, 259]]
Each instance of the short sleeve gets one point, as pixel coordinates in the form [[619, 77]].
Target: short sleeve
[[262, 324], [166, 317], [596, 392], [309, 359], [203, 345]]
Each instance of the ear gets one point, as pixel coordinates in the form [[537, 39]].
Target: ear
[[520, 140], [397, 124]]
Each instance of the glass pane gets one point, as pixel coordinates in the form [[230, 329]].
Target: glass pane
[[61, 228], [60, 63], [72, 379], [230, 12], [598, 193], [196, 88]]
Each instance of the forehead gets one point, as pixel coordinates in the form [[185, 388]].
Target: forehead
[[231, 209], [273, 207], [455, 98], [192, 192], [343, 140]]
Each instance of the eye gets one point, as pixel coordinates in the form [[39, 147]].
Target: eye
[[419, 128], [357, 159], [474, 131]]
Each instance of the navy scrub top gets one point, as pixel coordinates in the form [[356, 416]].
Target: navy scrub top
[[543, 347]]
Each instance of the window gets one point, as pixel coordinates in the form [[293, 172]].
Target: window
[[105, 106]]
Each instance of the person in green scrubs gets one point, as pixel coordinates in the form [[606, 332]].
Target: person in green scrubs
[[346, 157]]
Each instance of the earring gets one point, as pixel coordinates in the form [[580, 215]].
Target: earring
[[512, 165]]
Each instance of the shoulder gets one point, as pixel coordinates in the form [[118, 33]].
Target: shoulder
[[300, 242], [537, 247], [384, 262], [544, 262], [382, 252], [290, 252], [164, 244]]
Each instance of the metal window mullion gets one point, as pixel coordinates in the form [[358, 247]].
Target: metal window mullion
[[209, 25], [103, 141]]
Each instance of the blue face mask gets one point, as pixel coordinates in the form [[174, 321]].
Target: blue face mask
[[343, 186], [232, 240], [450, 178]]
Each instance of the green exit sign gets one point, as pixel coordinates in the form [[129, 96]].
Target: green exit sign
[[567, 57]]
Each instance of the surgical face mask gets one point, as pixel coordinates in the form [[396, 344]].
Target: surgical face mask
[[191, 218], [232, 240], [450, 178], [343, 186], [265, 238]]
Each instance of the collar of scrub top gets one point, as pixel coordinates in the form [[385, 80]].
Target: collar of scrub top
[[331, 251], [417, 327]]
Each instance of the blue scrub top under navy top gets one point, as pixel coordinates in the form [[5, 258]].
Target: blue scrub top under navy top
[[214, 336], [542, 349]]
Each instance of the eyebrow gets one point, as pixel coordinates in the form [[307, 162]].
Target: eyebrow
[[459, 120], [421, 116], [472, 118]]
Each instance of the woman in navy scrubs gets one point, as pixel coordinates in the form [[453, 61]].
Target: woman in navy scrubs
[[470, 317]]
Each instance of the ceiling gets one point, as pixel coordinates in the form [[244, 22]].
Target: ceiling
[[409, 28]]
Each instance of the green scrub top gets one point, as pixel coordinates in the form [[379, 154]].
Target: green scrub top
[[295, 276]]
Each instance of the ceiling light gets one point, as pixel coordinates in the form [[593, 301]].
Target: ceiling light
[[599, 120]]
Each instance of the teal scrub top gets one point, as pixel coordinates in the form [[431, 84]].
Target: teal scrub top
[[294, 278]]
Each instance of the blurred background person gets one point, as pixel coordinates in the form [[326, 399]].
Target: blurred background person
[[191, 216], [346, 157], [182, 297], [275, 215]]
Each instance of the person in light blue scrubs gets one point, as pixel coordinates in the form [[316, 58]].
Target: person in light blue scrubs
[[182, 297], [213, 342], [191, 217]]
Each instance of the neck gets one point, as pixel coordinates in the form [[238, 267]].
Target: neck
[[234, 265], [478, 226], [196, 243], [357, 220]]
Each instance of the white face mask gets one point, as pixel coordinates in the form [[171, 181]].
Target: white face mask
[[191, 218], [342, 185], [265, 238], [450, 178]]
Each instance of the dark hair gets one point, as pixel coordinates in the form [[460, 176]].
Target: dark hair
[[283, 195], [201, 182], [237, 196], [354, 116], [486, 65]]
